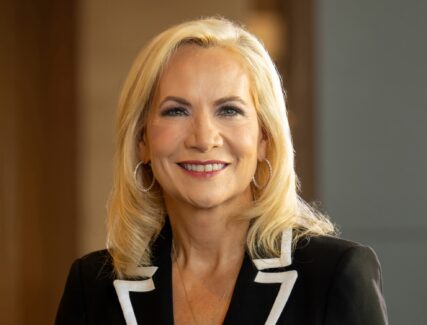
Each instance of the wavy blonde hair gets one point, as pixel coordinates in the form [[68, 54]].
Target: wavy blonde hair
[[136, 218]]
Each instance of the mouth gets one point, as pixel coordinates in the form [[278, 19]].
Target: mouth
[[203, 167]]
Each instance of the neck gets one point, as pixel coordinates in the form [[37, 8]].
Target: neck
[[207, 240]]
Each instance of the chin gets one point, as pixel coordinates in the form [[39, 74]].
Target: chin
[[212, 202], [205, 203]]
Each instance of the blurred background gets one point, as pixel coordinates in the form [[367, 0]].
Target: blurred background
[[356, 80]]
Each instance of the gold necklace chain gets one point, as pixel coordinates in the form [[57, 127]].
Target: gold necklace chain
[[222, 299]]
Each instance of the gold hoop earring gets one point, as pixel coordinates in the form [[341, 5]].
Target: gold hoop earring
[[270, 173], [135, 176]]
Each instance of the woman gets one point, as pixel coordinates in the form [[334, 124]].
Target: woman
[[205, 224]]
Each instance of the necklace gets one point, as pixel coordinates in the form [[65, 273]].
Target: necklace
[[187, 300]]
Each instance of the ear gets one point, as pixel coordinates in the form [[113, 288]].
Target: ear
[[262, 146], [143, 151]]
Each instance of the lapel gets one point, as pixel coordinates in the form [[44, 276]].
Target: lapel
[[262, 288], [149, 301]]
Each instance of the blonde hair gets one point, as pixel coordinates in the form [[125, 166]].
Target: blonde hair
[[136, 218]]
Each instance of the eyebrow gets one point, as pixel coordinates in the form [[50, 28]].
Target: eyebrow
[[230, 99], [175, 99], [218, 102]]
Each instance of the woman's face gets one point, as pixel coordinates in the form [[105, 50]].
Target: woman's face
[[203, 138]]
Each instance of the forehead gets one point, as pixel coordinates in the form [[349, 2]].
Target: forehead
[[218, 55], [193, 64]]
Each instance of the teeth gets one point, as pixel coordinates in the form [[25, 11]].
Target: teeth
[[203, 168]]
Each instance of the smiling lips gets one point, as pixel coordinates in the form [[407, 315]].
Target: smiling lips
[[207, 168]]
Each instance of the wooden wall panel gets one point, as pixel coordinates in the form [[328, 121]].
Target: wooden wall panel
[[300, 88], [9, 242], [296, 64], [40, 187]]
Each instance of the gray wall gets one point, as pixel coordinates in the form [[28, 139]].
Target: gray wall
[[372, 112]]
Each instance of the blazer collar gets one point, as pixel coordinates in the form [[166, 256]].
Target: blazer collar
[[262, 287]]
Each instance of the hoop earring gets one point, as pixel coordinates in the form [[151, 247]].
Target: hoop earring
[[270, 173], [138, 186]]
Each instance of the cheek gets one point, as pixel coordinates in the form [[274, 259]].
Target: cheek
[[163, 138], [245, 143]]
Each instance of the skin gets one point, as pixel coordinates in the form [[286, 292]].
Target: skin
[[203, 112]]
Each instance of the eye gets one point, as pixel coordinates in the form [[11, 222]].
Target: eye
[[230, 110], [175, 111]]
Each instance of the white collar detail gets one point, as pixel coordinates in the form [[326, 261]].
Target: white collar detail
[[285, 254], [124, 287], [286, 278]]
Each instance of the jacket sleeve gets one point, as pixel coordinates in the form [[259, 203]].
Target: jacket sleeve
[[71, 308], [355, 296]]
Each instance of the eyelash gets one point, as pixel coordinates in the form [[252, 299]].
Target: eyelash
[[225, 111], [175, 111]]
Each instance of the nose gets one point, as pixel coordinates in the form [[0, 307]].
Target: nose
[[203, 134]]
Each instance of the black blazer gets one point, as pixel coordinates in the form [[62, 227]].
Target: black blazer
[[325, 281]]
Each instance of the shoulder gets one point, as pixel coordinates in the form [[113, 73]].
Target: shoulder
[[325, 244], [326, 256], [328, 249], [89, 295], [324, 262], [97, 263], [90, 276], [94, 269], [341, 278]]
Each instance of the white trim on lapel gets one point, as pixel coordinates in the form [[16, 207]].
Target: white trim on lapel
[[285, 254], [286, 278], [124, 287]]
